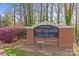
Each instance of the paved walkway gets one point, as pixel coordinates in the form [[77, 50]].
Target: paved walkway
[[2, 53], [76, 49], [50, 50]]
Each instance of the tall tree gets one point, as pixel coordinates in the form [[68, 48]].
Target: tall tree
[[76, 22], [0, 21], [46, 11], [68, 7], [51, 15], [30, 14], [41, 16], [20, 14], [58, 13], [24, 11], [14, 15]]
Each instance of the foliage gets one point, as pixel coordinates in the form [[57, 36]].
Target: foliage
[[68, 13], [20, 33], [27, 14], [76, 30], [17, 52], [8, 19], [30, 15], [7, 35]]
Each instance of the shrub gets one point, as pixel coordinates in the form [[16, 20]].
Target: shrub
[[7, 34], [20, 33]]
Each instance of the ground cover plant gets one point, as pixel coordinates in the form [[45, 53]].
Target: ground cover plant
[[16, 52]]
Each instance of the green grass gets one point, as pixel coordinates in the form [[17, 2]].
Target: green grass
[[17, 52]]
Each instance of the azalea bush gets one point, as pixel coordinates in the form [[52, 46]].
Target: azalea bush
[[8, 35]]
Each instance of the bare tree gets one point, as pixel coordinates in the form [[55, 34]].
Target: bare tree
[[58, 13], [51, 15], [76, 21], [0, 21], [14, 15], [46, 11], [41, 16], [24, 11], [20, 14]]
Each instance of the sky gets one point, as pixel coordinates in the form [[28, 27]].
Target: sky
[[4, 7]]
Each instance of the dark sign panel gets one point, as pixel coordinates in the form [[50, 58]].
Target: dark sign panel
[[44, 31]]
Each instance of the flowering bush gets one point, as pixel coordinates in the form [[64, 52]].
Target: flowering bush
[[7, 34]]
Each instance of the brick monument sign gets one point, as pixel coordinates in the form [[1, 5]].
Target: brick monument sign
[[61, 36]]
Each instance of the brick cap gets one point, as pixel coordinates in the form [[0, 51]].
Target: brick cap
[[58, 27], [66, 27], [29, 27]]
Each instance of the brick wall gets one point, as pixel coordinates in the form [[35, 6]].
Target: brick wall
[[65, 37], [29, 35]]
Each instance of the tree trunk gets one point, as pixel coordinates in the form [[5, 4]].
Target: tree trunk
[[41, 16], [14, 15], [76, 23], [51, 15], [47, 12], [30, 15], [20, 15], [58, 14]]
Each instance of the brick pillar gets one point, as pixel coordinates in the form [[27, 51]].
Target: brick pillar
[[66, 37], [30, 37]]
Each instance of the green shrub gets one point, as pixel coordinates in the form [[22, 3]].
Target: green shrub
[[20, 33]]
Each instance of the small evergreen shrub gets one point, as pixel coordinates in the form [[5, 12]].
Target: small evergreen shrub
[[20, 33]]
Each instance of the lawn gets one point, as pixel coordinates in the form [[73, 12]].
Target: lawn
[[17, 52]]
